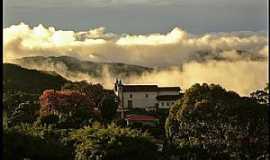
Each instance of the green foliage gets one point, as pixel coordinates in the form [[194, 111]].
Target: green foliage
[[207, 123], [210, 122], [5, 120], [94, 92], [11, 100], [120, 122], [50, 119], [157, 129], [113, 143], [139, 111], [108, 107], [77, 119], [36, 143], [25, 113], [103, 100]]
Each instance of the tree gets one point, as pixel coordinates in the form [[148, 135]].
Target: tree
[[108, 106], [5, 120], [113, 143], [25, 113], [11, 100], [212, 123], [94, 92], [72, 108], [262, 95], [104, 100]]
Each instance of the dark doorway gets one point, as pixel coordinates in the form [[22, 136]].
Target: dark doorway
[[130, 105]]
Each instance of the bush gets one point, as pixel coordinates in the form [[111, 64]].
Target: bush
[[120, 122], [113, 143], [49, 120], [36, 143]]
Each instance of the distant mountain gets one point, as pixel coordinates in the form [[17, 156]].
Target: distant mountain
[[16, 78], [70, 64]]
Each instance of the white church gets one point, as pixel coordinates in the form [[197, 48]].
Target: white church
[[148, 97]]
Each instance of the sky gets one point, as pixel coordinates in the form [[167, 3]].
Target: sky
[[140, 16], [194, 41]]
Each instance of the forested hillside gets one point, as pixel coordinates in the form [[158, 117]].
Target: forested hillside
[[16, 78]]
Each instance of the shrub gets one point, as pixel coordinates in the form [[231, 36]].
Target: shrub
[[36, 143], [113, 143]]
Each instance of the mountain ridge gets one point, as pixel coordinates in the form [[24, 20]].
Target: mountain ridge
[[72, 64]]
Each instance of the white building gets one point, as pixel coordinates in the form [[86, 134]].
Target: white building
[[145, 96]]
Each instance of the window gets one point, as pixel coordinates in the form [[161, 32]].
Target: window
[[162, 104], [130, 96], [146, 95], [168, 103]]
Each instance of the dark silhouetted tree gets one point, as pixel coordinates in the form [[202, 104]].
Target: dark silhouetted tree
[[212, 123], [25, 113], [108, 106], [261, 96]]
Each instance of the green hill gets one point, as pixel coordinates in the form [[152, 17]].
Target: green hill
[[69, 64], [16, 78]]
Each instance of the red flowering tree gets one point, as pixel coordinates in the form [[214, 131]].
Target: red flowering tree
[[72, 106], [103, 99]]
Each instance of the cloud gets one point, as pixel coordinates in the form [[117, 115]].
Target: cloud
[[237, 60], [240, 76], [175, 36], [173, 48]]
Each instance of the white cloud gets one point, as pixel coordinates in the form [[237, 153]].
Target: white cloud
[[176, 35], [226, 58]]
